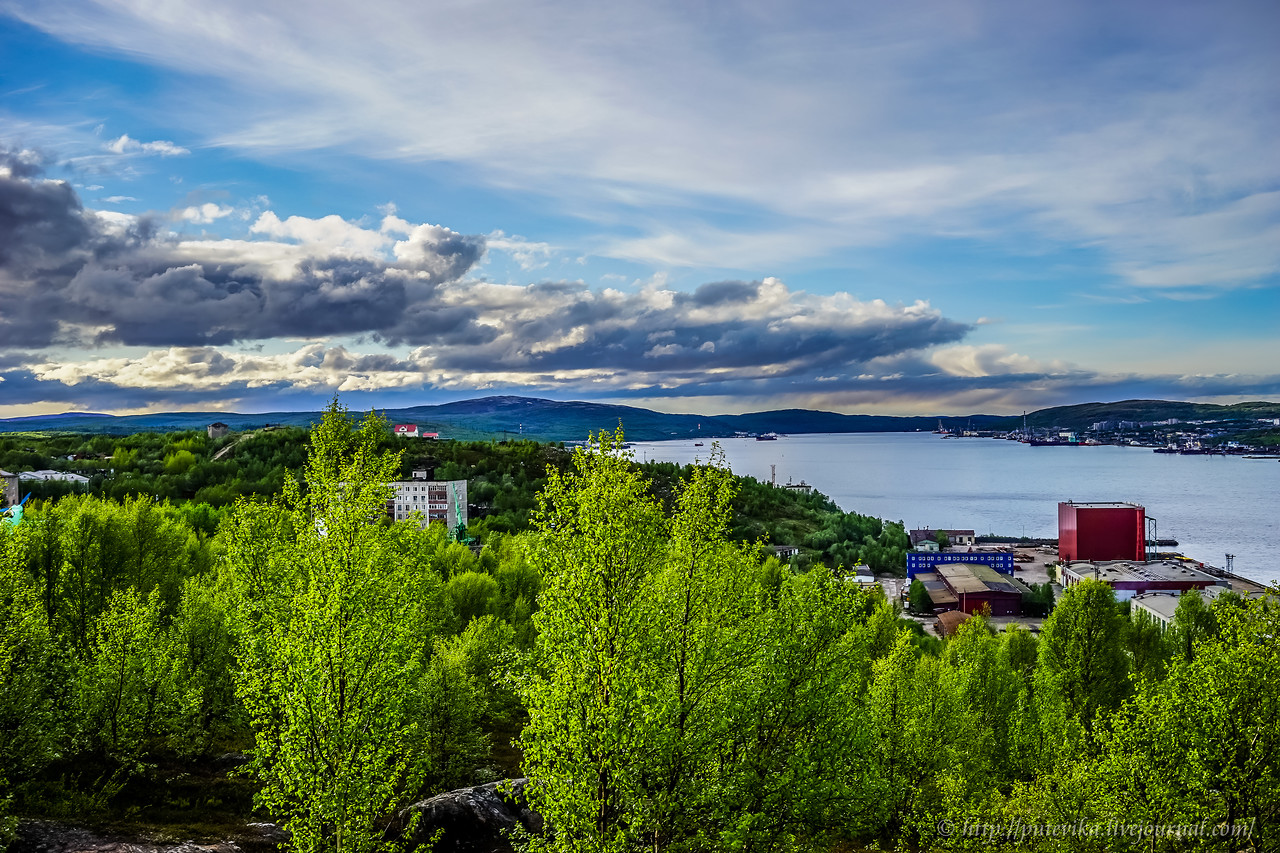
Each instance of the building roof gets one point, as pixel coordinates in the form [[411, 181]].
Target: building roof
[[938, 592], [928, 535], [1104, 505], [1162, 604], [918, 536], [950, 621], [1165, 603], [46, 474], [967, 578], [1128, 571]]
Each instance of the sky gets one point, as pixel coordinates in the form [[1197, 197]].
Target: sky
[[927, 208]]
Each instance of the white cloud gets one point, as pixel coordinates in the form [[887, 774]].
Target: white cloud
[[127, 145], [990, 360], [205, 213], [529, 254]]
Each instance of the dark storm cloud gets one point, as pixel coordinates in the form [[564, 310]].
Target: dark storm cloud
[[75, 277], [41, 222], [746, 328], [62, 265], [718, 292]]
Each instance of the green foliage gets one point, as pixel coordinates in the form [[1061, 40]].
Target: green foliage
[[31, 725], [1039, 601], [1198, 748], [918, 598], [125, 688], [179, 462], [1081, 651], [673, 705], [1147, 647], [471, 595], [351, 711], [1193, 623], [207, 713], [848, 539]]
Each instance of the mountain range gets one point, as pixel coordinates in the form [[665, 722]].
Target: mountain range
[[553, 420]]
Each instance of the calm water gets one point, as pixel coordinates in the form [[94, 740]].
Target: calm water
[[1212, 505]]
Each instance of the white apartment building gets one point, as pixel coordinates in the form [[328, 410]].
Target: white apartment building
[[434, 500]]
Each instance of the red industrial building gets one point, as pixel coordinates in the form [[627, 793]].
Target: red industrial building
[[972, 588], [1101, 531]]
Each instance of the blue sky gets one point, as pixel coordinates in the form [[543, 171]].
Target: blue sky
[[950, 207]]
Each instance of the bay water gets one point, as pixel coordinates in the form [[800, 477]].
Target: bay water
[[1213, 505]]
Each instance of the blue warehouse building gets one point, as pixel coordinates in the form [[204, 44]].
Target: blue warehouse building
[[926, 561]]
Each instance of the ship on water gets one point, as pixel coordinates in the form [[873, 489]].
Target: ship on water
[[1063, 439]]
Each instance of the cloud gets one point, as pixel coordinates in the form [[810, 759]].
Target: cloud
[[211, 377], [530, 255], [203, 214], [767, 134], [126, 145], [391, 307], [78, 277]]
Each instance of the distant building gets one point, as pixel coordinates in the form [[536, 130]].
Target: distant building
[[919, 561], [1161, 606], [443, 501], [949, 621], [47, 476], [1134, 578], [785, 552], [10, 492], [973, 587], [217, 429], [406, 430], [1101, 531], [954, 537]]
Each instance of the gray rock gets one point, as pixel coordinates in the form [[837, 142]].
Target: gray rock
[[268, 832], [471, 820]]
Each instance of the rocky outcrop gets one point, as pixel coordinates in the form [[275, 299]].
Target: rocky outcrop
[[42, 836], [472, 820], [468, 820]]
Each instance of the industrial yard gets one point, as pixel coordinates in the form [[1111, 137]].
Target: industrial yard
[[1105, 542]]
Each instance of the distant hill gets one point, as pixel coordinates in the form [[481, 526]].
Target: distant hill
[[1084, 415], [552, 420]]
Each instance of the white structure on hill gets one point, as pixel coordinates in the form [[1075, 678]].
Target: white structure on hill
[[47, 475]]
